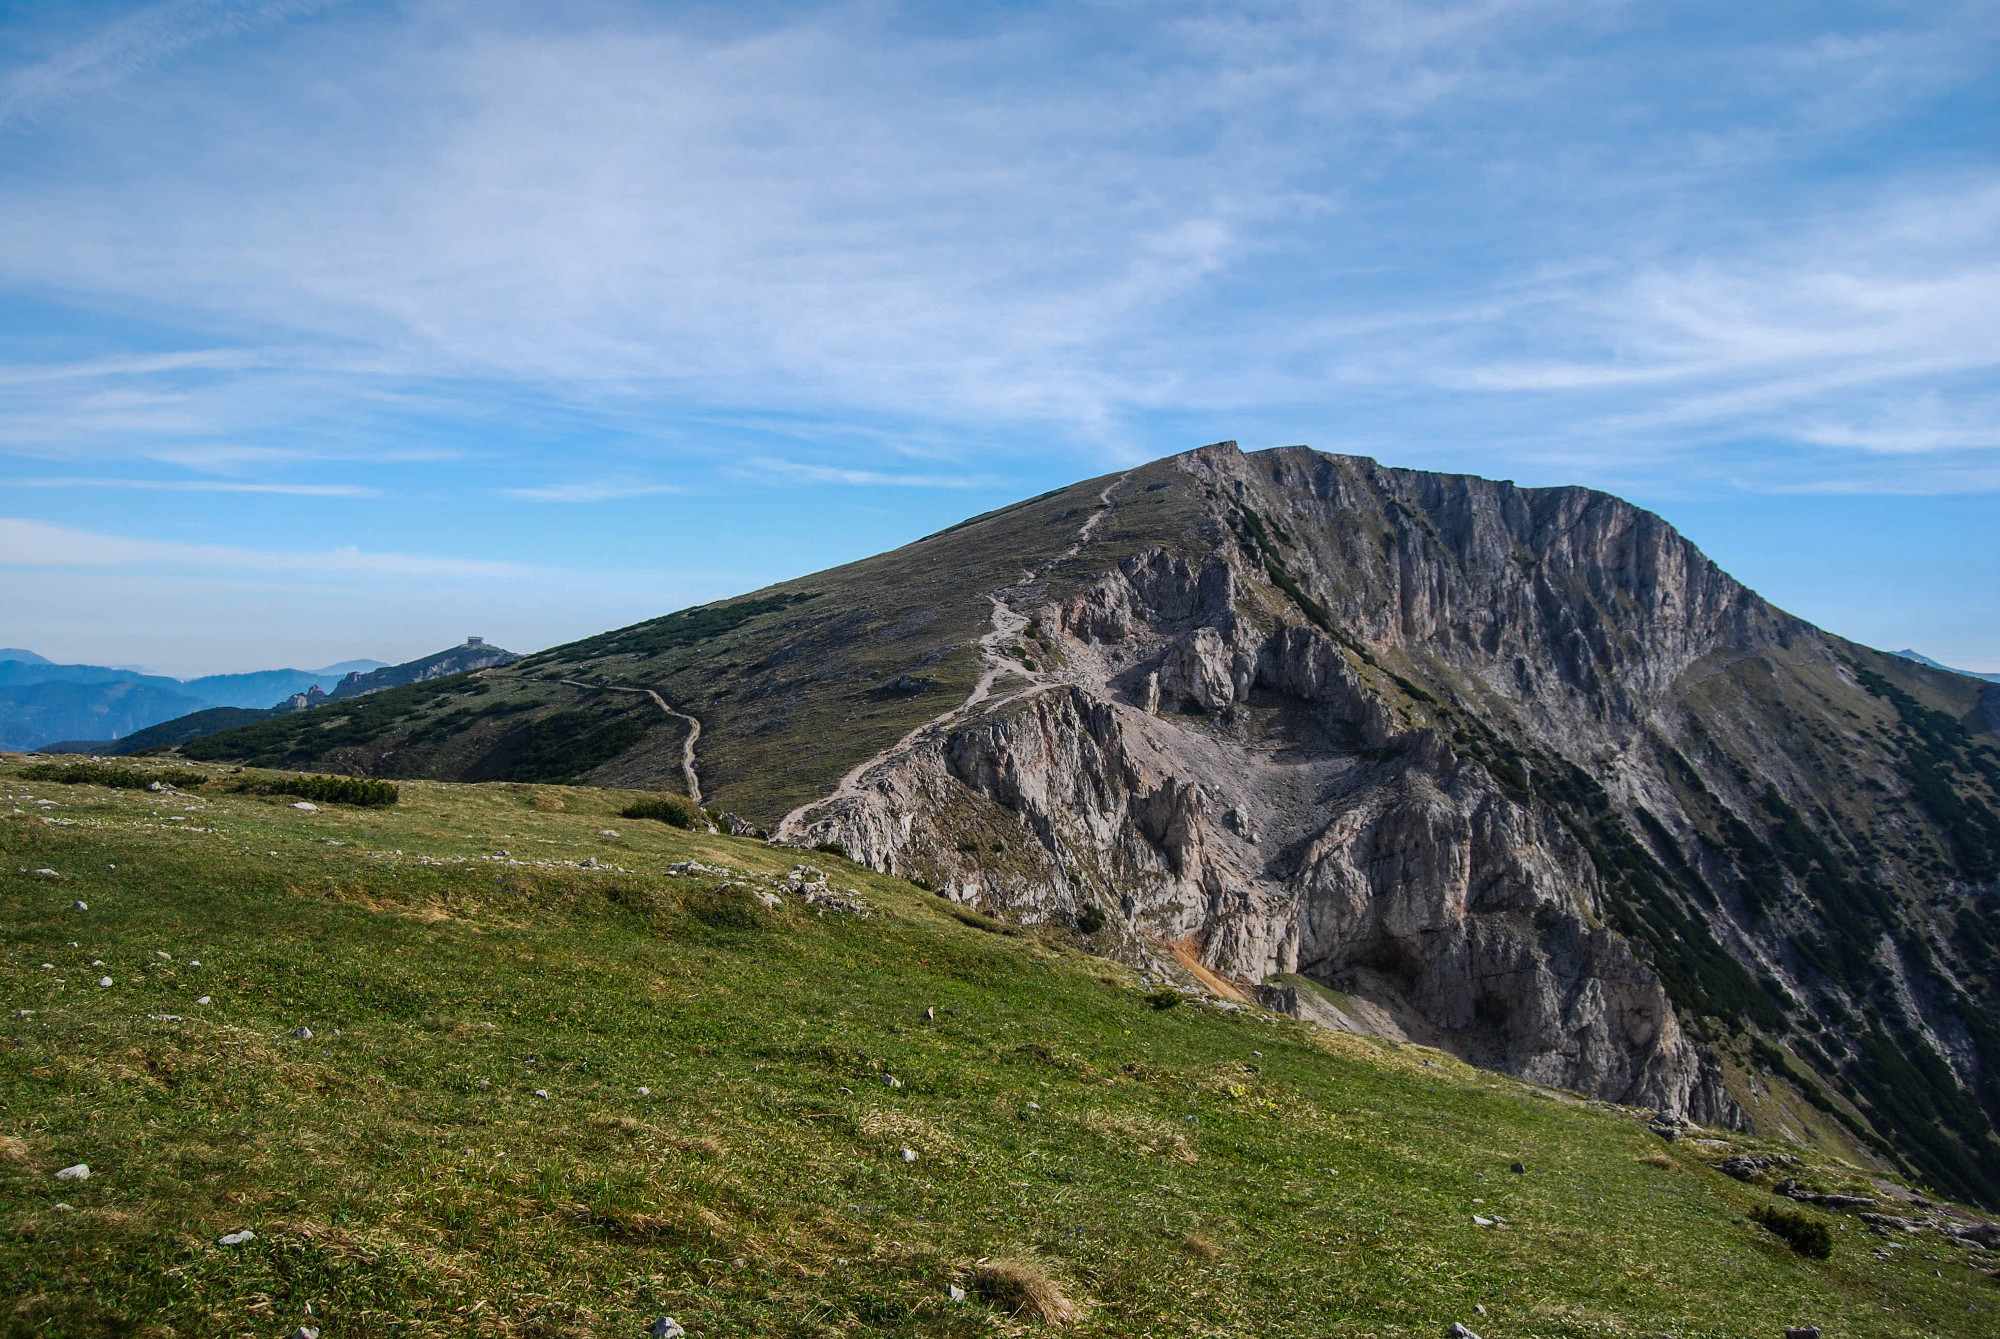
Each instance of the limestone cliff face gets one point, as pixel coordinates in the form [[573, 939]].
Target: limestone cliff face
[[1227, 777]]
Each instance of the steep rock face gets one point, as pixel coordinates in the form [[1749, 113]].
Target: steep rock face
[[1372, 858]]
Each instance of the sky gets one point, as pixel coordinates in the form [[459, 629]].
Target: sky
[[351, 329]]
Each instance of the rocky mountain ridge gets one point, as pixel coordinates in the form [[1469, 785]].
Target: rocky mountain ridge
[[1515, 772]]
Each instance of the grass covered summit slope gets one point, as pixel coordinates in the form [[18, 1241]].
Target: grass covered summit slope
[[1170, 1171]]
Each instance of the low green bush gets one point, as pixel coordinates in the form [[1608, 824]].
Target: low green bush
[[320, 789], [1808, 1236], [669, 809], [832, 848], [104, 774]]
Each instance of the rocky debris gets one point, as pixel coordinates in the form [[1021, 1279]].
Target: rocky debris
[[1517, 1169], [1979, 1232], [1889, 1222], [202, 999], [542, 1093], [1667, 1125], [1458, 1331], [48, 874], [737, 826], [236, 1238], [666, 1327], [163, 955], [954, 1292], [303, 1332], [909, 1155], [1802, 1332], [606, 832], [768, 898], [104, 982], [1745, 1168], [78, 906], [302, 1033], [891, 1081], [80, 1172], [1792, 1190], [306, 806]]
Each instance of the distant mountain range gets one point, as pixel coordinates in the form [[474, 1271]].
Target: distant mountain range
[[51, 708], [42, 702], [1922, 659]]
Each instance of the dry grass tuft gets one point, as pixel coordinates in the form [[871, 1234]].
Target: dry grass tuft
[[1200, 1247], [1660, 1160], [1141, 1134], [548, 804], [13, 1149], [1024, 1288]]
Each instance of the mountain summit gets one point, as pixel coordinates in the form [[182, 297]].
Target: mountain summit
[[1518, 773]]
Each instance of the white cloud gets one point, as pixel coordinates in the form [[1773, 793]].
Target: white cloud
[[28, 543], [200, 486], [588, 492], [130, 44]]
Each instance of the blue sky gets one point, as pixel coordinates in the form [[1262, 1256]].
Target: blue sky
[[341, 329]]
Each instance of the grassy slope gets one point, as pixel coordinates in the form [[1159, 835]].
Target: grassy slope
[[1333, 1179], [789, 700]]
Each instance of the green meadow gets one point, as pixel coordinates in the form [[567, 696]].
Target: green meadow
[[474, 1063]]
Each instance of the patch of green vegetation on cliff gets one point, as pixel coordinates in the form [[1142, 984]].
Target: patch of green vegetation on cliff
[[1936, 750], [687, 627]]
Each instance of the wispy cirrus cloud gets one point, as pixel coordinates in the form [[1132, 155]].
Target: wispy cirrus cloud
[[589, 492], [30, 543], [199, 486], [803, 472], [130, 44]]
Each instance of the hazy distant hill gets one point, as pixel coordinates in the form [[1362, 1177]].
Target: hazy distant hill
[[35, 714], [102, 705], [1922, 659]]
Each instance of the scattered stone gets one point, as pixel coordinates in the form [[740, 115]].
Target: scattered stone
[[1479, 1308], [163, 954], [157, 786], [1458, 1331], [606, 832], [194, 964], [64, 1208], [1477, 1221], [645, 1092], [1792, 1190], [666, 1327], [769, 899], [1802, 1332], [1034, 1106], [909, 1155], [94, 962], [930, 1015], [303, 1332], [954, 1292], [891, 1081], [78, 906], [1517, 1169], [48, 874], [236, 1238], [103, 982], [1742, 1168], [303, 1033], [308, 806], [542, 1093], [486, 1083], [80, 1172]]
